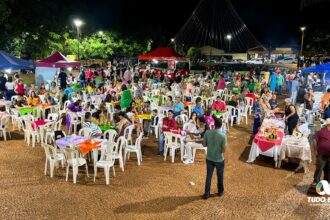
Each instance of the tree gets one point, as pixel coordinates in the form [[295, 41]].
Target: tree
[[194, 54]]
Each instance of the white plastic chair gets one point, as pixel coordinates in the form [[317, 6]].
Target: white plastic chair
[[86, 132], [4, 126], [156, 124], [74, 122], [244, 114], [134, 149], [232, 114], [110, 135], [33, 133], [249, 103], [182, 118], [118, 151], [52, 156], [64, 109], [189, 127], [172, 145], [74, 160], [53, 116], [107, 160], [194, 148], [128, 133]]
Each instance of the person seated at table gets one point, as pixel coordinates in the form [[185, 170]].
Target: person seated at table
[[111, 88], [251, 85], [233, 102], [198, 109], [90, 88], [75, 106], [264, 103], [178, 106], [123, 123], [100, 90], [20, 102], [33, 99], [209, 119], [49, 100], [169, 101], [42, 89], [267, 94], [273, 103], [96, 130], [20, 88], [193, 119], [53, 90], [219, 105], [169, 124], [195, 140]]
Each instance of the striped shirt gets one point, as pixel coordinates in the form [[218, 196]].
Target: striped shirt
[[94, 128]]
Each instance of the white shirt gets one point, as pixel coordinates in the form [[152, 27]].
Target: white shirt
[[10, 85]]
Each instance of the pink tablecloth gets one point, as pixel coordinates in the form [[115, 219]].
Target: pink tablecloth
[[264, 145], [38, 123]]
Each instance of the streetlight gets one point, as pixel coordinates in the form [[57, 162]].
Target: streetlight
[[302, 43], [229, 37], [78, 23], [173, 41], [302, 39], [100, 32]]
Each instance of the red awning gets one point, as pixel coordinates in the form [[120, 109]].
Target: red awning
[[57, 60], [163, 53]]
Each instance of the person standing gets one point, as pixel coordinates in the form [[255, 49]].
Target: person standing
[[309, 99], [322, 145], [215, 142], [272, 84], [3, 82], [280, 80], [291, 116], [294, 90], [10, 86], [63, 77]]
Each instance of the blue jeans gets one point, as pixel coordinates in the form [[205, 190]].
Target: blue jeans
[[279, 89], [161, 143], [210, 165]]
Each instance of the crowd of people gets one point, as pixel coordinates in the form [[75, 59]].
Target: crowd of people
[[126, 90]]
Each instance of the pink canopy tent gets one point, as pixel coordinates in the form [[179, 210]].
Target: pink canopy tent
[[57, 60]]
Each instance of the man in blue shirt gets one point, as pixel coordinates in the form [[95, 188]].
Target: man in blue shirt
[[215, 142], [178, 106], [198, 109]]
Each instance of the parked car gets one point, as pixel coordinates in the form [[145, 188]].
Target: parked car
[[288, 60], [256, 61]]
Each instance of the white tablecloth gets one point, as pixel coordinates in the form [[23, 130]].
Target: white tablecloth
[[296, 148], [255, 152]]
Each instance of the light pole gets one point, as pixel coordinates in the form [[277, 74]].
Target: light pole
[[229, 37], [78, 23], [173, 41], [302, 44], [302, 39]]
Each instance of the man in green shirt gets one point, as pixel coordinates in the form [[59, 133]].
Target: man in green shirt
[[215, 142]]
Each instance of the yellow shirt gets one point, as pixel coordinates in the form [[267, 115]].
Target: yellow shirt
[[90, 90], [33, 101]]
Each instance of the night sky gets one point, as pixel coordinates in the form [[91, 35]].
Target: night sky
[[274, 22]]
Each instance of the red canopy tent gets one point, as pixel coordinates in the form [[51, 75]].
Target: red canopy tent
[[57, 60], [163, 53]]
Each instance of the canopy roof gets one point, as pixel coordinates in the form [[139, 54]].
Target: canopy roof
[[8, 61], [163, 53], [57, 60], [322, 68]]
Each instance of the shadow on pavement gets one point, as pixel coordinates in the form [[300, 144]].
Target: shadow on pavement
[[163, 204]]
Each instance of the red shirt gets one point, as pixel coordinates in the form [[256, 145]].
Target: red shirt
[[323, 141], [89, 74], [169, 124], [251, 95], [219, 106]]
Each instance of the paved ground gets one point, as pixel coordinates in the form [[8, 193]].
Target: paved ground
[[157, 189]]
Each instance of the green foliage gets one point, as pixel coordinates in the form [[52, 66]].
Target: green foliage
[[194, 54]]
